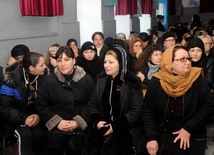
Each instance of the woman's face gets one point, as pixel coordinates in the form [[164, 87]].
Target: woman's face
[[207, 44], [156, 57], [65, 64], [195, 53], [111, 65], [39, 68], [73, 45], [98, 41], [170, 41], [89, 54], [181, 63], [137, 48]]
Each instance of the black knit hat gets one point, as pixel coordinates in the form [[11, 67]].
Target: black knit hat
[[167, 35], [196, 42], [19, 50], [88, 46], [144, 36]]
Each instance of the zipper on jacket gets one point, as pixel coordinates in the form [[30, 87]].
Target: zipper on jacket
[[167, 104], [111, 115]]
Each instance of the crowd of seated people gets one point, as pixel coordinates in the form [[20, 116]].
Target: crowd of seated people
[[130, 95]]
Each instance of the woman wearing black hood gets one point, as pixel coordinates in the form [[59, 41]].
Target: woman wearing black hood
[[115, 108], [89, 61], [196, 49]]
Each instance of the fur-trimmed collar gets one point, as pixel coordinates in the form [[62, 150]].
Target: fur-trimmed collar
[[12, 71], [79, 74]]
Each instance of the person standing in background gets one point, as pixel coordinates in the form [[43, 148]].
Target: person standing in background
[[160, 26], [98, 40]]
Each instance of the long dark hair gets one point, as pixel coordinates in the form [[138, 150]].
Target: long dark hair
[[146, 55]]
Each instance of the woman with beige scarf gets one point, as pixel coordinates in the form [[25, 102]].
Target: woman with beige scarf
[[177, 105]]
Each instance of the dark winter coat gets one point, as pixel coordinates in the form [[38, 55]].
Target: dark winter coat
[[160, 27], [60, 100], [209, 72], [1, 75], [93, 67], [197, 108], [14, 96], [129, 112]]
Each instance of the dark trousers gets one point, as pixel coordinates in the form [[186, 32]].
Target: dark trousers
[[58, 143], [30, 140], [168, 147], [115, 144]]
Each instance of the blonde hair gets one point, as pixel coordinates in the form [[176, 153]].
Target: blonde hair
[[47, 60], [112, 53]]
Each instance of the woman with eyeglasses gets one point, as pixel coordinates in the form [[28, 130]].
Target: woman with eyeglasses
[[197, 52], [168, 39], [177, 105]]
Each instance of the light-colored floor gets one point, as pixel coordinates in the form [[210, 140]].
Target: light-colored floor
[[210, 142]]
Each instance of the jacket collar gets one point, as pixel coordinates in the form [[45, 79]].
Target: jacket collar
[[79, 74]]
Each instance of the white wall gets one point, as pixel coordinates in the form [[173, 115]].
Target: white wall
[[81, 19], [123, 24], [89, 16], [145, 22]]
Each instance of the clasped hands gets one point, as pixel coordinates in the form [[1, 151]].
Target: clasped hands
[[67, 125]]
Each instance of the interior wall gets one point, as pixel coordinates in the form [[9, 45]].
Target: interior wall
[[38, 33], [89, 16]]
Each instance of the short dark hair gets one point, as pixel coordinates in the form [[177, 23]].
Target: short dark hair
[[31, 59], [97, 33], [65, 49]]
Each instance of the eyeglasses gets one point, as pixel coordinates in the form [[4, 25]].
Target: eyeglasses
[[168, 40], [184, 59]]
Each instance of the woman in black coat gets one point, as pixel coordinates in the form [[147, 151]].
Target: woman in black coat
[[196, 50], [178, 104], [62, 105], [17, 97], [115, 108], [89, 61]]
